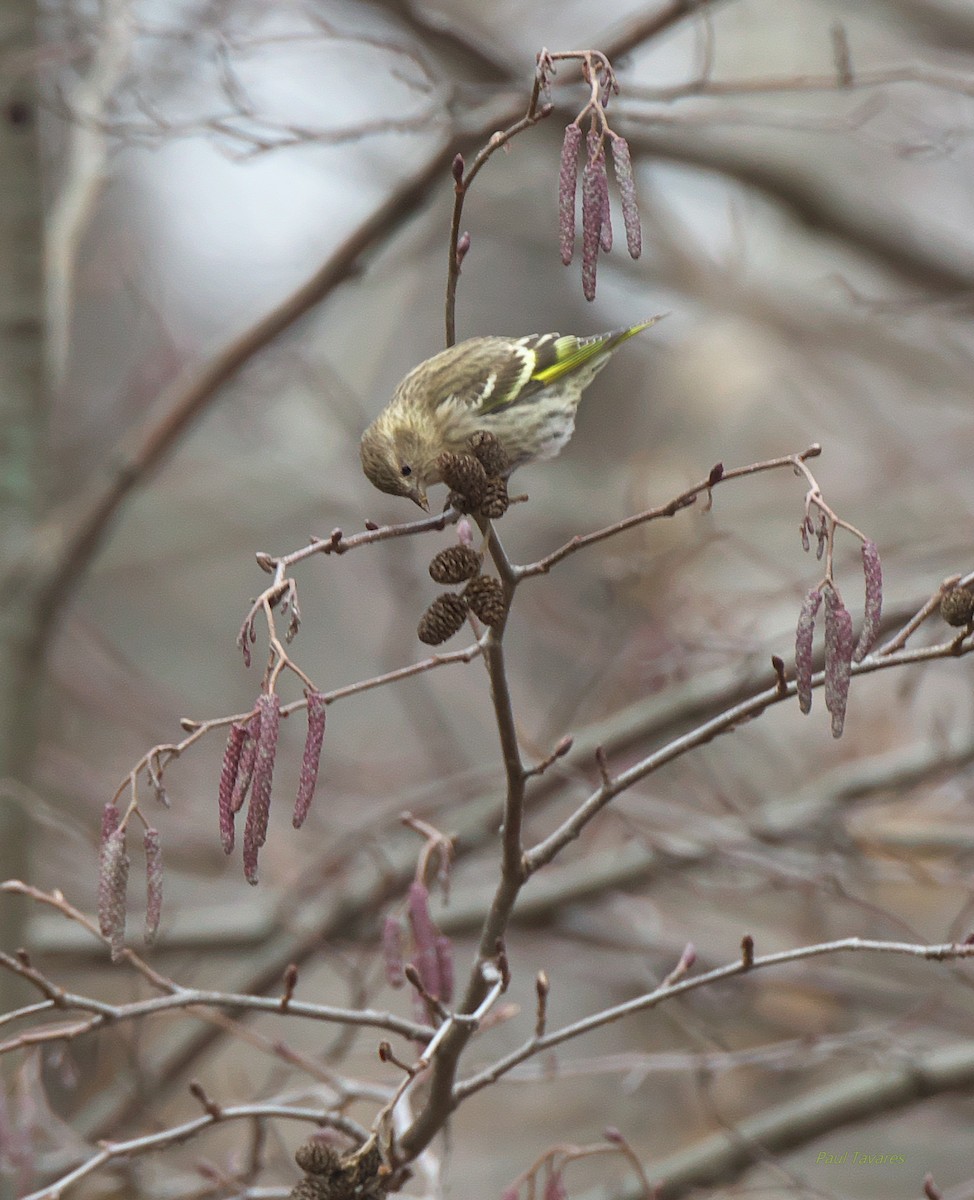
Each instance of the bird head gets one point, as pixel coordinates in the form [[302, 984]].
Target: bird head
[[396, 461]]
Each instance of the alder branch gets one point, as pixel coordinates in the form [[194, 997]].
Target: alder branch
[[159, 757], [137, 1146], [705, 487], [724, 722], [943, 952], [108, 1014]]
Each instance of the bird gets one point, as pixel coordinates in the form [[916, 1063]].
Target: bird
[[523, 390]]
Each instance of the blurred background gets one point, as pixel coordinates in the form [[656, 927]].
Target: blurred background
[[805, 172]]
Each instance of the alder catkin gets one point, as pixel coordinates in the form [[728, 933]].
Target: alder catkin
[[425, 936], [152, 848], [592, 178], [567, 182], [393, 952], [112, 889], [622, 165], [311, 759], [228, 780], [258, 811], [804, 636], [839, 646]]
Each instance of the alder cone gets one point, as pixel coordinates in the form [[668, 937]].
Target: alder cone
[[461, 504], [464, 474], [317, 1158], [489, 453], [485, 596], [455, 564], [495, 502], [957, 606], [442, 619]]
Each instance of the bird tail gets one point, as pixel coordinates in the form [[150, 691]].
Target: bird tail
[[616, 337], [569, 353]]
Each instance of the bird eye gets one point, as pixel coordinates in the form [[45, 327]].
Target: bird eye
[[406, 469]]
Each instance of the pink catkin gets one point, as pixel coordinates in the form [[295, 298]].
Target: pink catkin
[[228, 780], [567, 182], [554, 1188], [153, 882], [110, 818], [112, 888], [839, 646], [258, 812], [622, 165], [872, 570], [245, 767], [392, 951], [596, 155], [425, 934], [310, 761], [804, 635], [591, 228], [444, 965]]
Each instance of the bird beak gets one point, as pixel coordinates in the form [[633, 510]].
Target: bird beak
[[419, 497]]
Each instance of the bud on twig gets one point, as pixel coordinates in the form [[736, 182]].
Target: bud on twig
[[457, 168], [311, 759], [822, 533], [463, 246]]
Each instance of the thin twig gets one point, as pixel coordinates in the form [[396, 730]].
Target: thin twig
[[942, 952]]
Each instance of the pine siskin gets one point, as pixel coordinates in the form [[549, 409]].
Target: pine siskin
[[525, 391]]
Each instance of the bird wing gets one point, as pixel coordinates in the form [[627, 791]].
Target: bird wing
[[482, 374], [487, 374], [538, 360]]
